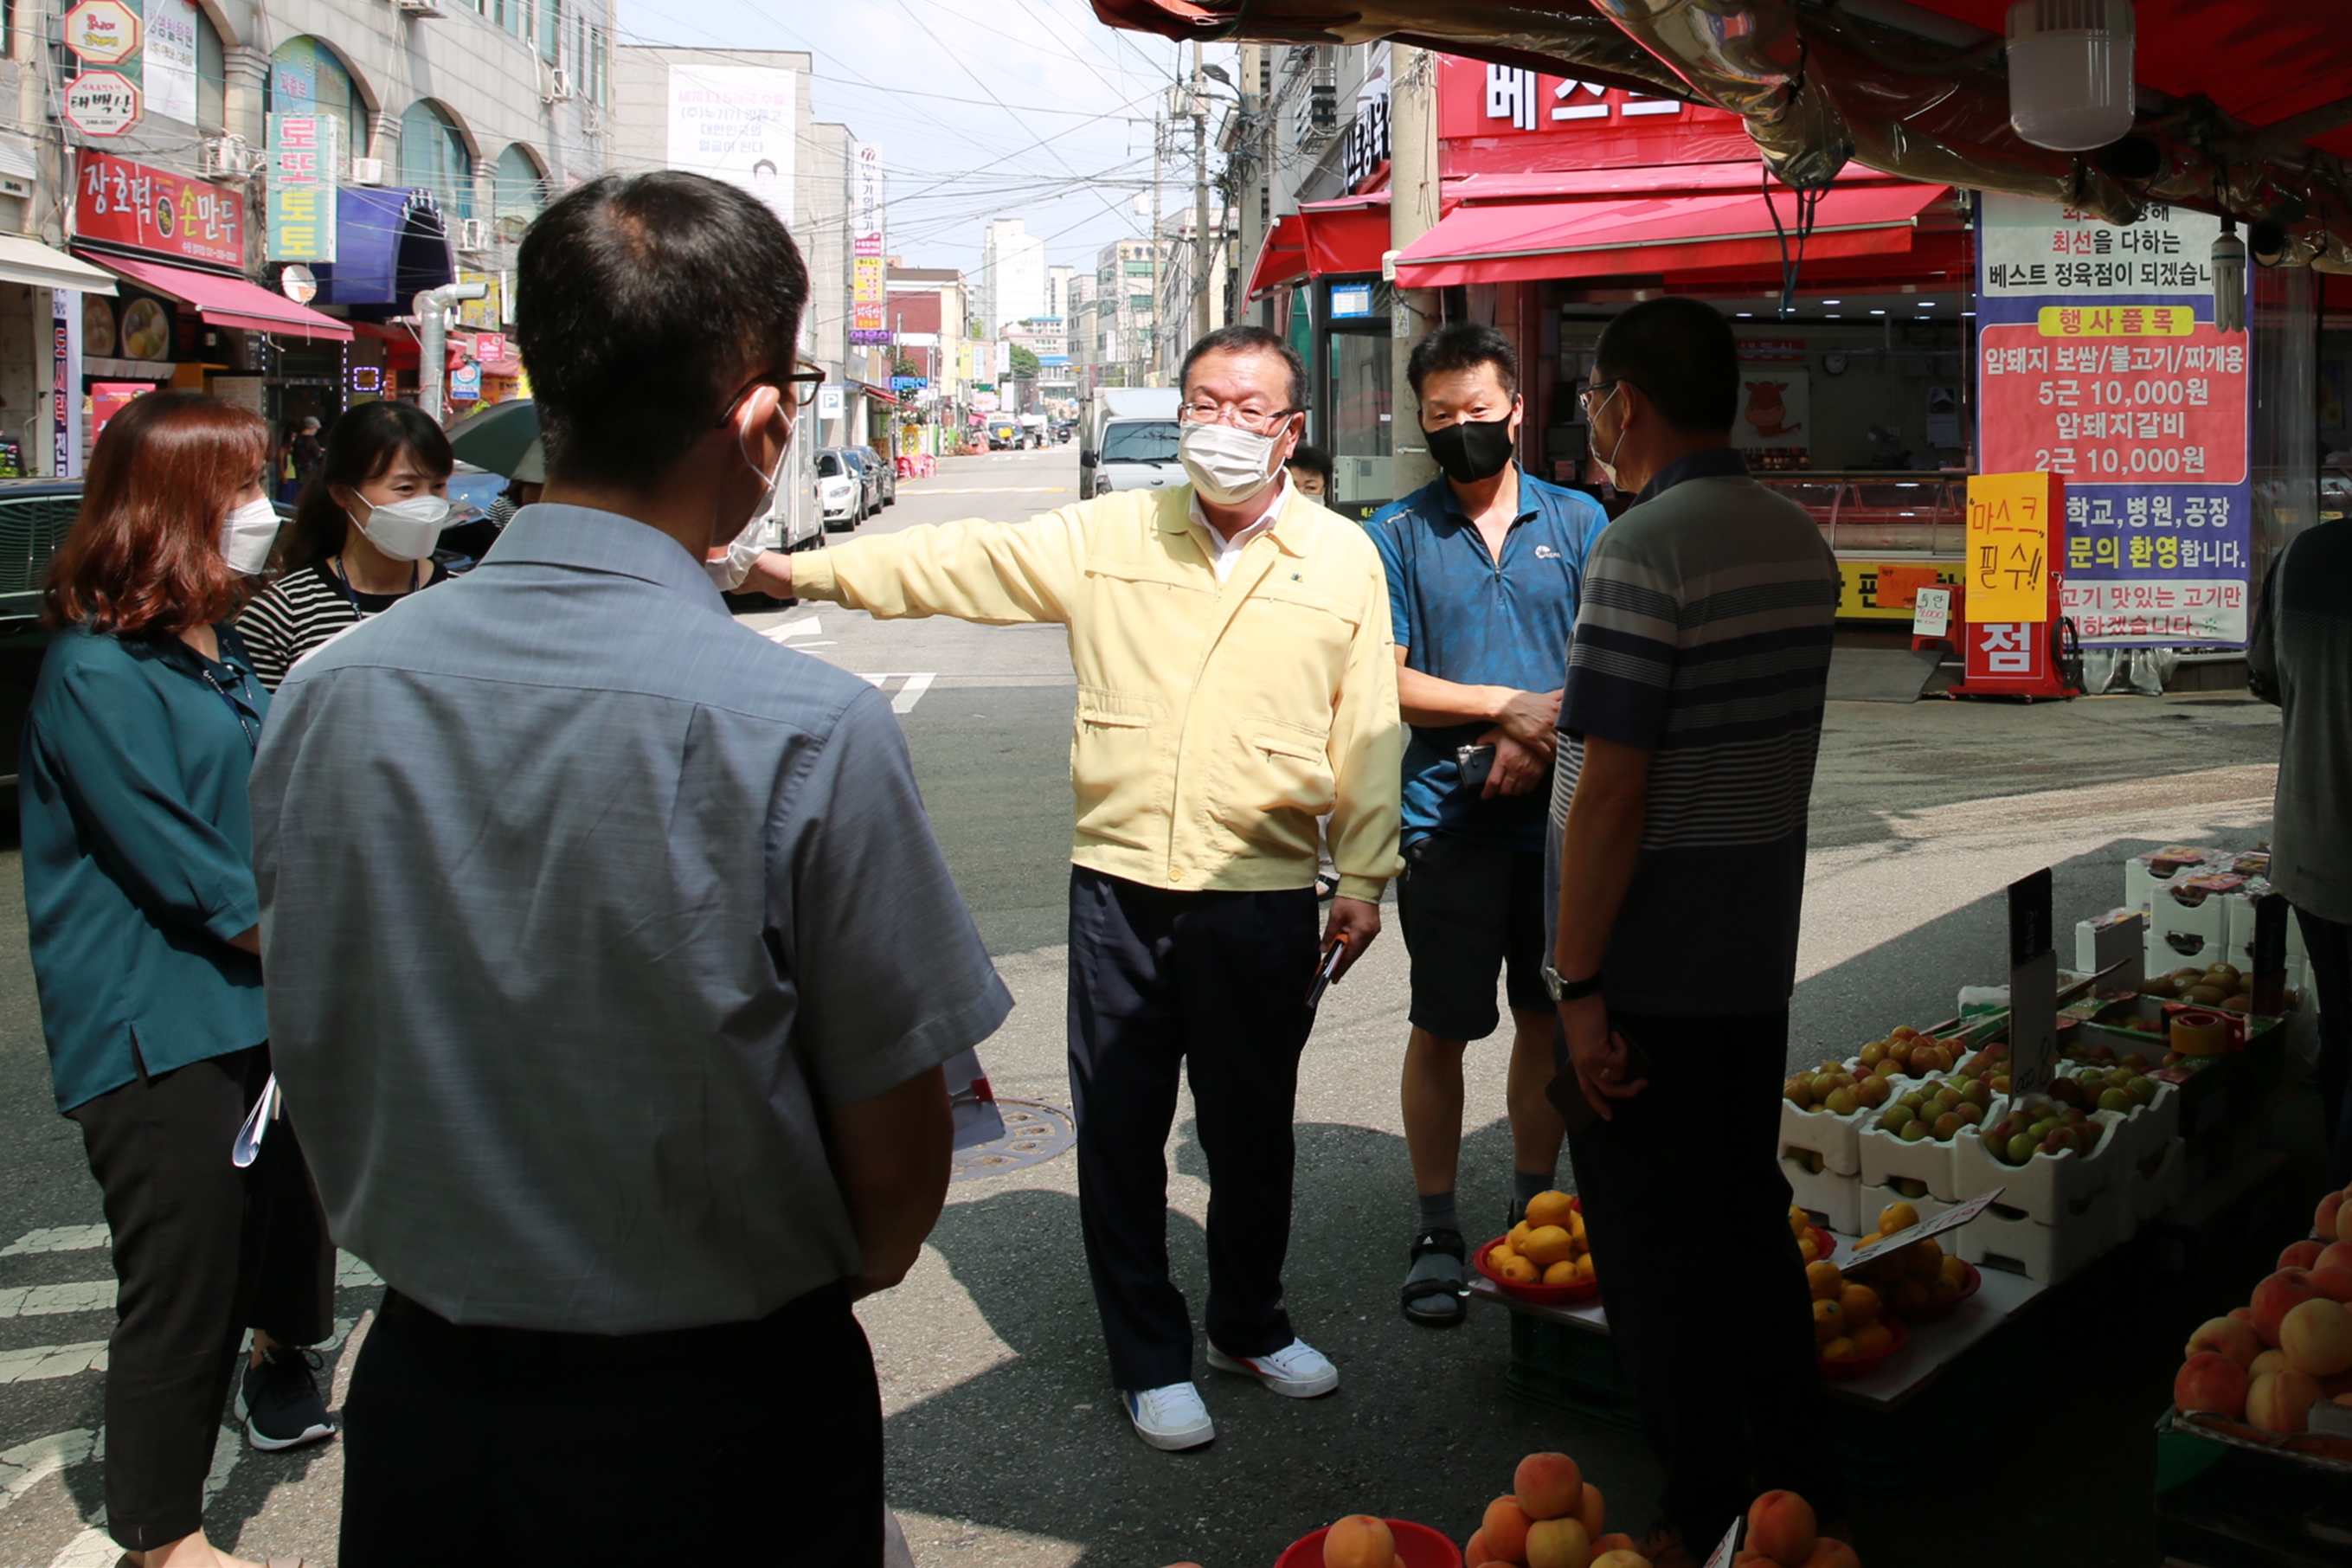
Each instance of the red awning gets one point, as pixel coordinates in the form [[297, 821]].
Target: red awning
[[229, 301], [1350, 235], [1523, 241]]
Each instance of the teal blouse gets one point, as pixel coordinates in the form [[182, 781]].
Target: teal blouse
[[137, 855]]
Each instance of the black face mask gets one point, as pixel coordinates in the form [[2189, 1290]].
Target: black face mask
[[1472, 450]]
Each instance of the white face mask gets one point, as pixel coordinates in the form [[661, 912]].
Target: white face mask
[[1226, 463], [405, 530], [246, 535], [729, 571], [1609, 464]]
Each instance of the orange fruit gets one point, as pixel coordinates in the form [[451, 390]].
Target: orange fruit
[[1896, 1216], [1829, 1322], [1549, 1208], [1583, 1267], [1872, 1338], [1519, 1236], [1861, 1303], [1806, 1249], [1547, 1245], [1358, 1540], [1825, 1279], [1516, 1269], [1576, 1224], [1560, 1273], [1838, 1348], [1924, 1259]]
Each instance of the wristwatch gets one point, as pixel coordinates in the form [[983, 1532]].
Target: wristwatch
[[1569, 990]]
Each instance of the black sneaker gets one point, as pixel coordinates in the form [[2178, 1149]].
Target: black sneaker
[[283, 1407]]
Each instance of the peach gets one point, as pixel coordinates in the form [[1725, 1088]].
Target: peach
[[2335, 1280], [1615, 1541], [2274, 1296], [1620, 1557], [2269, 1361], [1559, 1543], [1506, 1529], [2322, 1218], [2344, 1222], [2300, 1255], [2211, 1381], [1780, 1526], [1476, 1552], [2317, 1337], [2280, 1401], [1547, 1486], [1829, 1553], [2243, 1314], [2334, 1254], [2227, 1336], [1358, 1540], [1593, 1508]]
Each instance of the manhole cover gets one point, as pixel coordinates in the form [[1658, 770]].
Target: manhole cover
[[1033, 1133]]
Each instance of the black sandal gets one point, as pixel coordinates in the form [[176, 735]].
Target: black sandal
[[1430, 1296]]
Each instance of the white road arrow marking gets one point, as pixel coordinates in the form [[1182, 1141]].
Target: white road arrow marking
[[908, 693], [806, 627]]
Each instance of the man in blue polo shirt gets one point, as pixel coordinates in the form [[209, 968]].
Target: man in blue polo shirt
[[1483, 567]]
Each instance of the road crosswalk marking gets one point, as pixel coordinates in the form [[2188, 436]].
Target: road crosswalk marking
[[43, 1301], [910, 690], [57, 1238], [36, 1364], [997, 490]]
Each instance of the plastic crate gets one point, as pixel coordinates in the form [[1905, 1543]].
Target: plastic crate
[[1886, 1156], [1830, 1198], [1574, 1371]]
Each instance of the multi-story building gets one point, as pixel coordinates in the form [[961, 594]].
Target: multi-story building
[[1058, 282], [1012, 274], [1118, 339], [417, 146], [929, 307]]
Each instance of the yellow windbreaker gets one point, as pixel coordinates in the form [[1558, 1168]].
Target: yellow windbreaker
[[1215, 721]]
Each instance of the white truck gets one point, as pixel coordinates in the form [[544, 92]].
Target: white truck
[[1127, 440]]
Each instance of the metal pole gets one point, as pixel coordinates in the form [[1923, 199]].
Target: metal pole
[[1412, 211], [432, 343], [1200, 201]]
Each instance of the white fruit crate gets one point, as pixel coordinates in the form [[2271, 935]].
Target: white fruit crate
[[2144, 1129], [2046, 1254], [2183, 933], [1831, 1199], [2048, 1188], [1830, 1136], [1884, 1156], [2158, 1181]]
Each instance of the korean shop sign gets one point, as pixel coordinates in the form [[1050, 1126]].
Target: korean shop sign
[[302, 168], [132, 206], [2098, 363], [2008, 548]]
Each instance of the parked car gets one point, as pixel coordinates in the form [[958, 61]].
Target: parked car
[[840, 491], [883, 467], [869, 478]]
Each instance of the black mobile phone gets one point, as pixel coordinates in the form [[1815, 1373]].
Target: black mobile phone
[[1326, 972], [1476, 762], [1567, 1095]]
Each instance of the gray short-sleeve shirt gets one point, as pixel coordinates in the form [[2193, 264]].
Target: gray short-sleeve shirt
[[580, 903]]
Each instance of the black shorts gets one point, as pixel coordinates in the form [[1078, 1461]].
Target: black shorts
[[1471, 912]]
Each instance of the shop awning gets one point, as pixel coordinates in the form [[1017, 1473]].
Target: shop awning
[[1523, 241], [29, 261], [231, 301], [1348, 235], [878, 393], [391, 244]]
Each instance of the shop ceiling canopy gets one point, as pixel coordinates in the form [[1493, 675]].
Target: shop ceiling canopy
[[2244, 108]]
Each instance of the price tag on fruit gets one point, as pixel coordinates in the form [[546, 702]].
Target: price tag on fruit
[[1721, 1556], [1950, 1219]]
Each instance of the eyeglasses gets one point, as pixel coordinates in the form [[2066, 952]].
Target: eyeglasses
[[1586, 396], [1257, 421], [796, 378]]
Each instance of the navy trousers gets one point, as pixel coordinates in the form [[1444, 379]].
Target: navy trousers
[[1212, 985]]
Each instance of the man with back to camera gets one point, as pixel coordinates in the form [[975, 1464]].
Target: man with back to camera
[[1688, 729], [1482, 565], [1235, 683], [614, 964]]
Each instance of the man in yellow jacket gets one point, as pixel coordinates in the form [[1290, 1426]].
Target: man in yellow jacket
[[1236, 679]]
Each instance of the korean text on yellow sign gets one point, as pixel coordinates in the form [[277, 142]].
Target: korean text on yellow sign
[[2011, 521]]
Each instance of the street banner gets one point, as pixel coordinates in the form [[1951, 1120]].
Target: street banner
[[2098, 361], [302, 165]]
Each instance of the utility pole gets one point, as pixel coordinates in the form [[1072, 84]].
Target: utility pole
[[1412, 211], [1158, 142], [1200, 201]]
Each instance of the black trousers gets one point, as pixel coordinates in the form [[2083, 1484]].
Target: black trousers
[[2328, 944], [754, 1442], [1688, 1212], [1212, 985], [202, 1251]]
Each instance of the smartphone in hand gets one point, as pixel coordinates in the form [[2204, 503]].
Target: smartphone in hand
[[1326, 972]]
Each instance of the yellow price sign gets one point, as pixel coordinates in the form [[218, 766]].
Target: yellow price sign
[[2115, 320], [2012, 518]]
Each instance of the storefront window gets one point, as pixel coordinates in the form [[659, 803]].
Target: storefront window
[[433, 156], [1355, 367], [305, 78]]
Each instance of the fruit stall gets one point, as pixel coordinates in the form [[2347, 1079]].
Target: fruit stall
[[1934, 1205]]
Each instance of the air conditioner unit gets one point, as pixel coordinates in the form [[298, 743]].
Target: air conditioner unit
[[223, 157], [559, 84], [367, 171], [473, 234], [418, 10]]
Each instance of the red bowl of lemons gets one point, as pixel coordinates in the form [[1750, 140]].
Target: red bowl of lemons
[[1545, 1259]]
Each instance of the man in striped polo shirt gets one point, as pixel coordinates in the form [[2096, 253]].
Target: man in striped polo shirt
[[1689, 724]]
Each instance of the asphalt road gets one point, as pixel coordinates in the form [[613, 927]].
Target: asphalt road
[[1007, 1445]]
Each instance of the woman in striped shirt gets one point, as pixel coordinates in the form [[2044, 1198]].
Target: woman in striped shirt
[[362, 536]]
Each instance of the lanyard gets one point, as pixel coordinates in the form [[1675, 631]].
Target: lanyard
[[248, 724], [343, 585]]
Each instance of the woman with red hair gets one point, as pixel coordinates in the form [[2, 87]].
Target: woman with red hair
[[144, 921]]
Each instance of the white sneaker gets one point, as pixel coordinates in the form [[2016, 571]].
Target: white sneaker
[[1298, 1369], [1170, 1418]]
